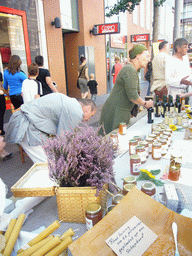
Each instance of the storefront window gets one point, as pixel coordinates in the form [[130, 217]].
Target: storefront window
[[12, 40]]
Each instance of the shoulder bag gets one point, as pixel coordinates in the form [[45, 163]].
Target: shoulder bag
[[79, 76]]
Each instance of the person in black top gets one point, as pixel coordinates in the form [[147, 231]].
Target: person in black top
[[44, 77], [92, 84]]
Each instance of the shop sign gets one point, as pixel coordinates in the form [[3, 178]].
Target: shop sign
[[109, 28], [118, 41], [140, 38]]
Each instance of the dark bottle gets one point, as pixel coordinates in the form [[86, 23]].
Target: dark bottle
[[171, 105], [164, 105], [150, 115], [177, 104], [157, 107]]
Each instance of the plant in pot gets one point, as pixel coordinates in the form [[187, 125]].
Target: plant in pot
[[80, 158]]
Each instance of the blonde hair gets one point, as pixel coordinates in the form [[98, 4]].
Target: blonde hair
[[92, 75]]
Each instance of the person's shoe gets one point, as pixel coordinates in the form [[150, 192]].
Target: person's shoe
[[7, 157]]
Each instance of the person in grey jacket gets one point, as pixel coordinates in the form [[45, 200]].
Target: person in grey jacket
[[52, 115]]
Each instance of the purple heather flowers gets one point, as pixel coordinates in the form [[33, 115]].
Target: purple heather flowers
[[80, 157]]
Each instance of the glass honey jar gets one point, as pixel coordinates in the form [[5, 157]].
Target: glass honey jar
[[127, 188], [156, 151], [132, 145], [93, 214], [135, 162], [164, 146], [146, 145], [176, 159], [149, 189], [114, 137], [150, 143], [138, 138], [140, 150], [174, 173], [116, 199], [122, 128], [130, 180]]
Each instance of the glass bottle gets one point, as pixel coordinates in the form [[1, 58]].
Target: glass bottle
[[150, 115], [171, 105], [157, 107], [164, 105], [177, 104]]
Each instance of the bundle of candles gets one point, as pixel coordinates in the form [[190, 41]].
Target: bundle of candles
[[43, 244]]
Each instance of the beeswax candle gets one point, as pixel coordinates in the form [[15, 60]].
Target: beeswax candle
[[69, 232], [36, 246], [14, 235], [9, 229], [47, 247], [60, 248]]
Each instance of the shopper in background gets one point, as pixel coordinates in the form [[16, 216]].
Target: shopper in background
[[13, 79], [116, 68], [92, 84], [158, 83], [178, 69], [83, 77], [125, 94], [2, 105], [44, 77], [31, 88]]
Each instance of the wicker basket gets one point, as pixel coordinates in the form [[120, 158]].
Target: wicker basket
[[72, 202]]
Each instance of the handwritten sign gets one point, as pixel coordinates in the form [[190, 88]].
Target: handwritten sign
[[132, 239]]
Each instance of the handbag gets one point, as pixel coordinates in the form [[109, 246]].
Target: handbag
[[79, 76], [135, 110]]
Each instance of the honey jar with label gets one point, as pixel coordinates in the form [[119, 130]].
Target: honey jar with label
[[164, 146], [135, 162], [156, 151], [146, 145], [150, 142], [132, 145], [138, 138], [93, 214], [122, 128], [140, 150], [114, 137]]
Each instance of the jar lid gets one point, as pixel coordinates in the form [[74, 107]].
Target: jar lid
[[152, 136], [122, 123], [144, 143], [117, 198], [135, 156], [129, 179], [128, 187], [162, 140], [156, 144], [156, 132], [174, 168], [149, 139], [114, 134], [163, 136], [137, 137], [176, 154], [168, 130], [148, 186], [139, 147], [93, 208], [132, 140]]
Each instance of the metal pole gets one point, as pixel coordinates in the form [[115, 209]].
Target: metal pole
[[176, 31]]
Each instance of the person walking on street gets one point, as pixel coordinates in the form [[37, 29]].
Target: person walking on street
[[125, 94], [83, 77], [92, 84], [13, 79], [44, 77], [158, 85], [116, 68]]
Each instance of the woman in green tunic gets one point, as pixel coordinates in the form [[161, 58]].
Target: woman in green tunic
[[125, 93]]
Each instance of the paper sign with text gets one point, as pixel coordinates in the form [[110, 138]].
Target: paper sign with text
[[132, 239]]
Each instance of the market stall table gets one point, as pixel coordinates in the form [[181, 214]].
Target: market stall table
[[46, 212]]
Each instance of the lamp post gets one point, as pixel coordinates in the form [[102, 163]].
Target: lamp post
[[176, 31]]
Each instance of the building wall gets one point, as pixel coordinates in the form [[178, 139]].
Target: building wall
[[87, 19], [54, 44], [29, 7]]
